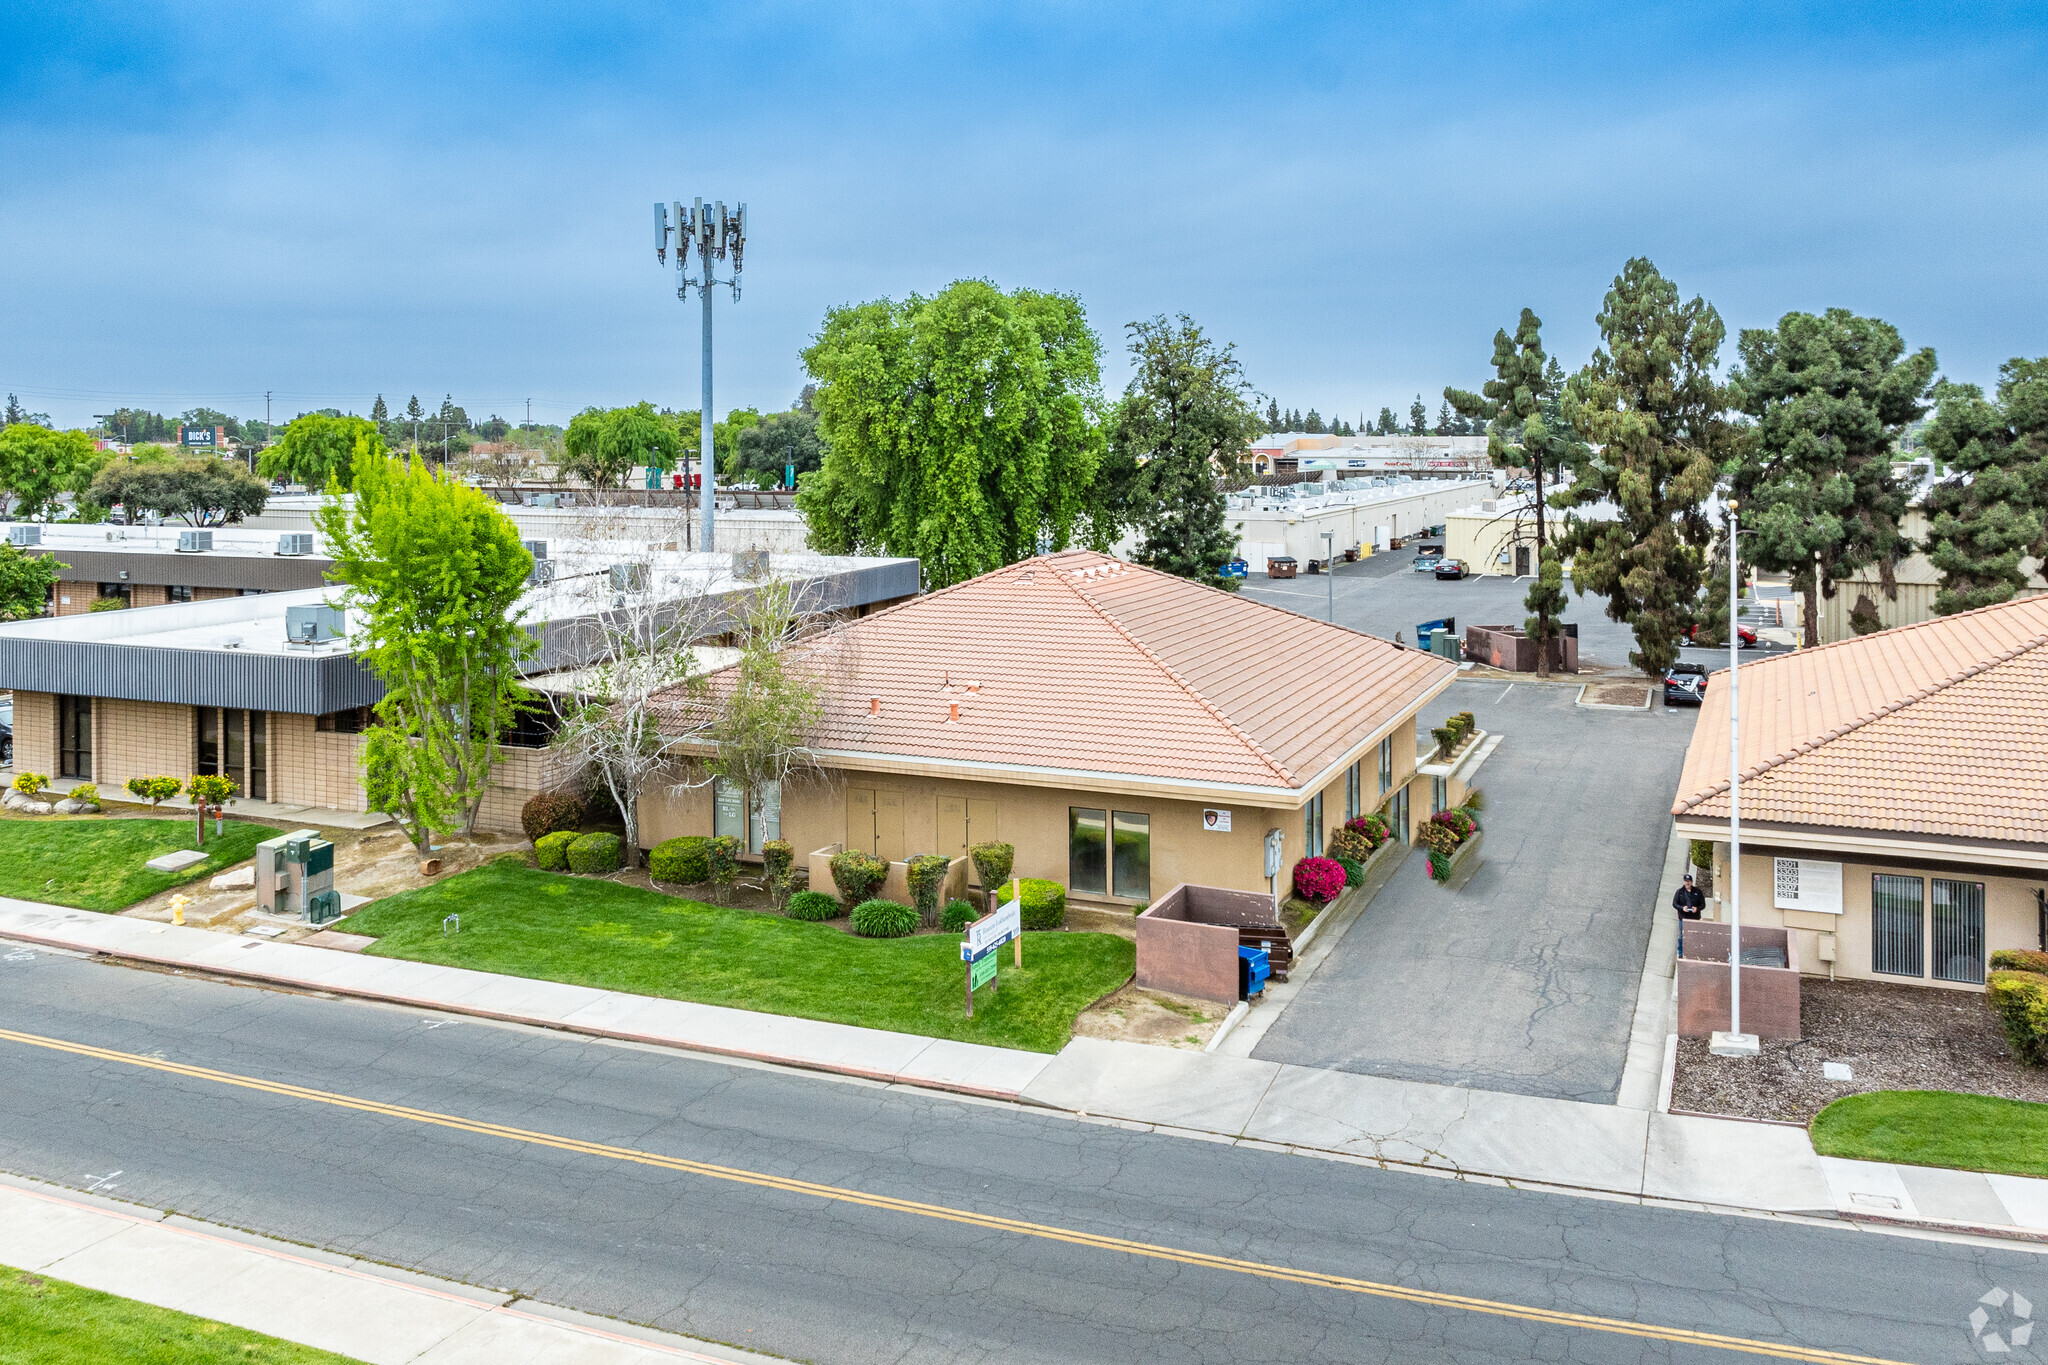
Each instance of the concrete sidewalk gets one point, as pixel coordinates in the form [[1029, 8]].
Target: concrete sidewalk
[[1568, 1145], [353, 1308]]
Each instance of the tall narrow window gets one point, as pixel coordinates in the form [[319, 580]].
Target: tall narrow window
[[1130, 860], [728, 810], [259, 756], [1439, 795], [208, 720], [1959, 931], [1087, 842], [233, 765], [1312, 826], [1895, 913], [1354, 791], [1386, 764], [74, 737], [764, 817], [1396, 810]]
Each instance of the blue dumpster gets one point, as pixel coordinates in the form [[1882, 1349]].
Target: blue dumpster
[[1428, 629], [1254, 965]]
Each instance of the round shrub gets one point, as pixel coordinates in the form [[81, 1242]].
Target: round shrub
[[857, 874], [85, 793], [28, 784], [883, 919], [957, 916], [552, 850], [1044, 903], [777, 857], [684, 861], [1348, 845], [595, 853], [814, 906], [992, 862], [548, 811], [1318, 879]]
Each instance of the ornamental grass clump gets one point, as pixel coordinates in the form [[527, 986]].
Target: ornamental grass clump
[[1318, 880], [883, 919], [814, 906], [957, 916]]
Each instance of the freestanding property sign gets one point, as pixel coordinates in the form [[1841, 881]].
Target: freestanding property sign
[[984, 936]]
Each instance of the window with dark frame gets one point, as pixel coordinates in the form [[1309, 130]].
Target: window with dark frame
[[1130, 861], [1354, 791], [1386, 764], [1958, 924], [74, 737], [352, 720], [120, 590], [178, 592], [1087, 849], [1895, 925], [1312, 826]]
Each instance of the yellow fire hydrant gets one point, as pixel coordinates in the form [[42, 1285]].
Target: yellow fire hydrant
[[178, 904]]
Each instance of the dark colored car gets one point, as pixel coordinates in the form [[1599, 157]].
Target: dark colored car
[[1685, 684], [7, 731], [1452, 568]]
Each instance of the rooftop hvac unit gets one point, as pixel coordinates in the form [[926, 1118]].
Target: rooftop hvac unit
[[543, 571], [24, 535], [629, 578], [311, 625], [190, 542], [537, 548], [295, 543]]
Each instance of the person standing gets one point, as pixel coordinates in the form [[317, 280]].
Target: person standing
[[1690, 904]]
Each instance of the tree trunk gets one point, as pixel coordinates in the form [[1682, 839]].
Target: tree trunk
[[1543, 625], [1809, 613]]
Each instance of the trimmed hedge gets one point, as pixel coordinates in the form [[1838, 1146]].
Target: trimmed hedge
[[957, 916], [722, 855], [2020, 960], [684, 860], [813, 906], [1044, 903], [926, 874], [546, 812], [992, 862], [883, 919], [857, 874], [595, 853], [2021, 1000], [552, 850], [777, 857]]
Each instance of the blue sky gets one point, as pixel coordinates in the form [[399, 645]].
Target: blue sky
[[203, 202]]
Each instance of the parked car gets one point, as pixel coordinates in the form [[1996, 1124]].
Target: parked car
[[6, 731], [1452, 568], [1425, 561], [1685, 684], [1742, 633]]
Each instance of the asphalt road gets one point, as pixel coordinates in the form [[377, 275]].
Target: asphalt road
[[1526, 978], [832, 1277]]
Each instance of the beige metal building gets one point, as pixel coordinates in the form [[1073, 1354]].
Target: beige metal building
[[1894, 795], [1123, 728]]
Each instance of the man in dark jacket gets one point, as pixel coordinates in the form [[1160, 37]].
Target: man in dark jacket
[[1689, 904]]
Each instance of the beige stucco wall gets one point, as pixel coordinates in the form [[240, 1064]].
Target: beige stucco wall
[[2010, 916], [35, 733], [140, 739], [1034, 820]]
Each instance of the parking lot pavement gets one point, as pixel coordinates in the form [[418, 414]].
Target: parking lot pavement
[[1526, 979]]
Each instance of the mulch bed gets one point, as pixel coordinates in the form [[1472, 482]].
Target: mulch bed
[[1892, 1037]]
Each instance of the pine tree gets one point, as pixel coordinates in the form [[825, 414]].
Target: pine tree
[[378, 412], [1829, 396], [1313, 423], [15, 412], [1511, 407], [1991, 508], [1272, 415], [1418, 418], [1443, 419], [1388, 425], [413, 411], [1653, 416]]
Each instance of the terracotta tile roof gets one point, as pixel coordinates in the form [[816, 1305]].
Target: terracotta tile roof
[[1080, 661], [1937, 728]]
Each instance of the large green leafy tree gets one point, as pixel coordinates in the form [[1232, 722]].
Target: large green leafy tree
[[1655, 417], [318, 450], [1512, 409], [780, 441], [960, 428], [25, 583], [604, 445], [200, 492], [36, 464], [1990, 510], [1185, 419], [432, 573], [1829, 395]]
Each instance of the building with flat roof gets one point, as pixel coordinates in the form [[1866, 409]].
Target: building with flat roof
[[268, 691], [1123, 728], [149, 566]]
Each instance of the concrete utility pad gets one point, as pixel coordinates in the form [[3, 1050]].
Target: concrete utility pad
[[1525, 980], [177, 860]]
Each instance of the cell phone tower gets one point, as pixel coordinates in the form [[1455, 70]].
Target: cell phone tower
[[717, 234]]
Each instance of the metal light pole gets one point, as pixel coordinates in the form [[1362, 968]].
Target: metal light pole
[[715, 233], [1330, 572], [1734, 1043]]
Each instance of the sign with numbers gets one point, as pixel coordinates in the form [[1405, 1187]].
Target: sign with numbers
[[1803, 884]]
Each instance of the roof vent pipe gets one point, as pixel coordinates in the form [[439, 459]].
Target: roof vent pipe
[[874, 706], [953, 712]]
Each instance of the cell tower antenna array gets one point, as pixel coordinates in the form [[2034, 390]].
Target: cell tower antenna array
[[717, 235]]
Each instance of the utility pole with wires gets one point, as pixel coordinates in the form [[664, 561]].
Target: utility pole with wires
[[715, 233]]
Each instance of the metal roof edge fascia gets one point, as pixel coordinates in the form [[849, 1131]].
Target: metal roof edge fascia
[[1869, 845]]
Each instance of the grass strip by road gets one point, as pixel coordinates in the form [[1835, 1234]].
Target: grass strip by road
[[1428, 1298], [94, 863], [589, 932], [1936, 1128], [53, 1322]]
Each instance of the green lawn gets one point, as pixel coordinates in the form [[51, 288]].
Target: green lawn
[[590, 932], [50, 1322], [97, 864], [1937, 1128]]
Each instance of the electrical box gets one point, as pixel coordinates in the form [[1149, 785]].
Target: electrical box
[[1825, 947], [281, 871], [191, 542]]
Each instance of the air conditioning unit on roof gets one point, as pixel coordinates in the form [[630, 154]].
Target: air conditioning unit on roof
[[191, 542], [24, 535], [295, 543]]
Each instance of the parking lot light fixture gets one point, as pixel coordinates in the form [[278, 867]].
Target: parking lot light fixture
[[1330, 570], [1734, 1043]]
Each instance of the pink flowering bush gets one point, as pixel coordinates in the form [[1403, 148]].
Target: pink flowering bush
[[1318, 879]]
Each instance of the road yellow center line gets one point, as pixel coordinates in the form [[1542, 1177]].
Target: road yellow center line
[[1315, 1279]]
